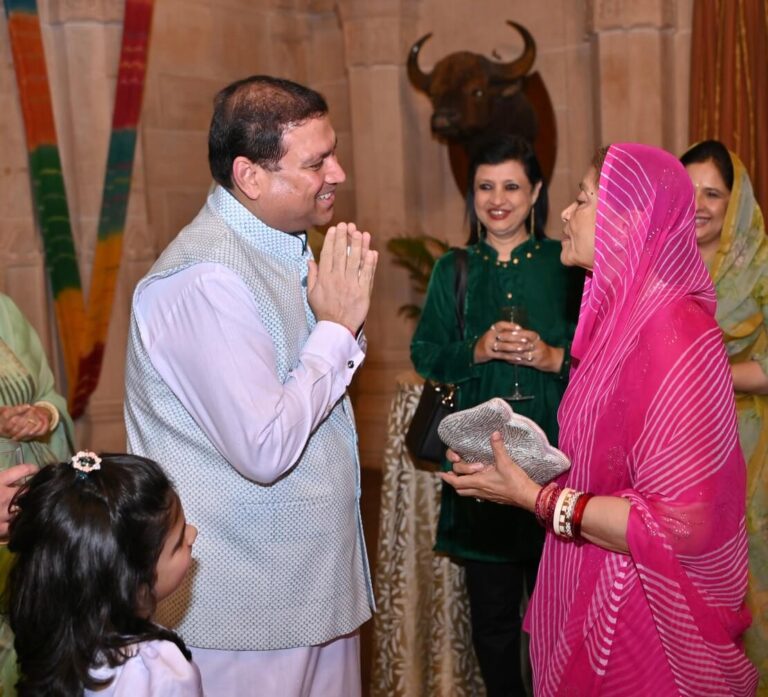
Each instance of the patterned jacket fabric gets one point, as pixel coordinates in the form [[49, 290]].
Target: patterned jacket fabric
[[281, 565]]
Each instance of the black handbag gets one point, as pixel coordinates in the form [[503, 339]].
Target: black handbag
[[437, 399]]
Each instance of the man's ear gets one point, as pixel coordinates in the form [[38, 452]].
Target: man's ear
[[246, 176]]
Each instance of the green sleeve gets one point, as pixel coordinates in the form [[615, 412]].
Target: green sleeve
[[760, 295], [437, 350], [25, 343]]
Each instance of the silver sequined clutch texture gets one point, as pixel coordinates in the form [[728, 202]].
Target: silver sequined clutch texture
[[468, 432]]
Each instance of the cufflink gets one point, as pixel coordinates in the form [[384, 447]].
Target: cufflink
[[350, 364]]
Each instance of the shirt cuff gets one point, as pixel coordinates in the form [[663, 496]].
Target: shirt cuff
[[335, 344]]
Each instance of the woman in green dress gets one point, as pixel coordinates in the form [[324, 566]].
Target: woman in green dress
[[510, 263], [31, 411], [730, 232], [34, 415]]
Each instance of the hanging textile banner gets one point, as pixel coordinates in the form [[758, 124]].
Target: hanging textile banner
[[48, 192], [83, 331], [117, 188], [729, 92]]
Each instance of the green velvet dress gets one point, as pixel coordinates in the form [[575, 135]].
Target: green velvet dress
[[550, 293]]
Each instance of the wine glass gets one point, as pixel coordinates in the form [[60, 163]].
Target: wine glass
[[10, 453], [517, 315]]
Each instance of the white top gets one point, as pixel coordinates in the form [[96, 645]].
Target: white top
[[157, 669]]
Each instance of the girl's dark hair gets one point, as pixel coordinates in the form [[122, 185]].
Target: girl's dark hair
[[493, 150], [250, 117], [711, 150], [86, 548]]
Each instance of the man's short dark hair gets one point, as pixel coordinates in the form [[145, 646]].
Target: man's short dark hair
[[250, 117]]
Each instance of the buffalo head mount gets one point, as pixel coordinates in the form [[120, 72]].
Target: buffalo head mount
[[472, 95]]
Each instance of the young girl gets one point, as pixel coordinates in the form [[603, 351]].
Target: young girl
[[98, 541]]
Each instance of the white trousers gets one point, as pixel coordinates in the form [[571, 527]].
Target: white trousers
[[328, 670]]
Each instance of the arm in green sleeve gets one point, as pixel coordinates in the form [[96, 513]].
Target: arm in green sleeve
[[760, 295]]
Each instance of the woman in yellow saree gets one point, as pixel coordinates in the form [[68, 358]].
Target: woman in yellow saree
[[730, 231]]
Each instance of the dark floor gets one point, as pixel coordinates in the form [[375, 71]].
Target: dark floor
[[371, 495]]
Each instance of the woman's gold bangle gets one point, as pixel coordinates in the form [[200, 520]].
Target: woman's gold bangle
[[52, 410]]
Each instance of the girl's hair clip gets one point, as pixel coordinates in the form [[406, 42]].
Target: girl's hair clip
[[86, 461]]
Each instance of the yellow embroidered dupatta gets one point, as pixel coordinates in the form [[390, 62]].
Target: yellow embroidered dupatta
[[739, 270]]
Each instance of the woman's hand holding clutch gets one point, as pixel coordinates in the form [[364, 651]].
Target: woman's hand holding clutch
[[501, 482]]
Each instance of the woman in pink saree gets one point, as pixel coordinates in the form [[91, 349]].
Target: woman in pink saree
[[642, 581]]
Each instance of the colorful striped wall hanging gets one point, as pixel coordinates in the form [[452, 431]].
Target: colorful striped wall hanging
[[83, 331], [48, 192], [117, 187]]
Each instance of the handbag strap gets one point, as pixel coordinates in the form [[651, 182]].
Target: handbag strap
[[460, 257]]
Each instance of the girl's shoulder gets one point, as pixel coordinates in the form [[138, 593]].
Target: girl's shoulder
[[155, 668]]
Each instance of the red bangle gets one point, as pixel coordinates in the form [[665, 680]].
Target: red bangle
[[545, 504], [578, 514], [551, 505], [541, 498]]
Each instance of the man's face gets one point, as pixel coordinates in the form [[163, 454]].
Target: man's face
[[300, 193]]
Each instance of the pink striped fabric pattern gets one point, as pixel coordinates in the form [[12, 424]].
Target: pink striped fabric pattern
[[648, 415]]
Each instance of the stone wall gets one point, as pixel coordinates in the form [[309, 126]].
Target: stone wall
[[615, 70]]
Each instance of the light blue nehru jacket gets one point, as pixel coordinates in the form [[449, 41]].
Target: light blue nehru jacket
[[277, 566]]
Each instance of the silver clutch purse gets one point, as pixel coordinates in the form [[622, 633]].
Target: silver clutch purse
[[468, 432]]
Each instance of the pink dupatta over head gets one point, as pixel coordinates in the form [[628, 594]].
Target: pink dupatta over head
[[649, 416]]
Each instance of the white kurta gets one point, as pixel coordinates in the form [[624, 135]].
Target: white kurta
[[204, 336]]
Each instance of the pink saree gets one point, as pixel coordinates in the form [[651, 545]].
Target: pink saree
[[648, 415]]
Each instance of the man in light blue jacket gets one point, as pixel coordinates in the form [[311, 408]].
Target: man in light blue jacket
[[240, 352]]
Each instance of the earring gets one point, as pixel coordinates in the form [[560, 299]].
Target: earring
[[533, 222]]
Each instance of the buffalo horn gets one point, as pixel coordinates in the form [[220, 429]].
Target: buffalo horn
[[419, 79], [520, 66]]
